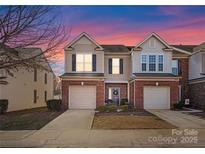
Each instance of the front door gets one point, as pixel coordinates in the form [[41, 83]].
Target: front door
[[116, 95]]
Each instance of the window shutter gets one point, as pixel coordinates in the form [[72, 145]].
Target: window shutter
[[73, 62], [110, 66], [121, 66], [94, 63], [179, 67], [203, 63]]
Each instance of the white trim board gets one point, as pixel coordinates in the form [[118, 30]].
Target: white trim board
[[81, 35]]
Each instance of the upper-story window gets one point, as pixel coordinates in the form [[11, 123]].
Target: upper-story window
[[144, 62], [115, 66], [152, 62], [160, 63], [84, 62], [3, 73], [175, 69]]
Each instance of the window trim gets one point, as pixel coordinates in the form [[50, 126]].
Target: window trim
[[83, 63], [160, 63], [144, 63], [175, 67], [152, 63], [116, 66]]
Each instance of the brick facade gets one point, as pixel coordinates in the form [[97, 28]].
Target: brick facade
[[131, 96], [99, 91], [197, 94], [122, 86], [139, 85], [184, 81]]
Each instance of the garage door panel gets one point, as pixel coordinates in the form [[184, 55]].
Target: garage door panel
[[82, 97], [156, 97]]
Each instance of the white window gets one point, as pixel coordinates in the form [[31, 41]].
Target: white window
[[175, 69], [115, 66], [152, 62], [84, 62], [3, 73], [144, 62], [160, 63]]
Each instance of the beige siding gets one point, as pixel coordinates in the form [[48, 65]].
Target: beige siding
[[157, 50], [84, 45], [20, 89], [126, 69], [195, 66]]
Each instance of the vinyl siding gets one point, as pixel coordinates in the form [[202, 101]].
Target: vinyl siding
[[126, 69], [84, 45]]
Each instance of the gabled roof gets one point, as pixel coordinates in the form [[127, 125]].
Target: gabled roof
[[115, 48], [188, 48], [87, 36], [199, 47], [156, 36]]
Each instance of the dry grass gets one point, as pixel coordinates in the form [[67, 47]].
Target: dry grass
[[130, 122]]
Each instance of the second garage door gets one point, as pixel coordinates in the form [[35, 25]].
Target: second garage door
[[156, 97], [82, 97]]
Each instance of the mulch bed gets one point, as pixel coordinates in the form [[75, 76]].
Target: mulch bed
[[31, 119], [136, 112], [129, 120]]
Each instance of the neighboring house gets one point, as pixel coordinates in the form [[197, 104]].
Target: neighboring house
[[151, 75], [27, 88], [197, 76]]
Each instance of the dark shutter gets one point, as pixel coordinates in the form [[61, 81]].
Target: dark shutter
[[35, 74], [73, 62], [179, 67], [121, 66], [94, 63], [110, 66]]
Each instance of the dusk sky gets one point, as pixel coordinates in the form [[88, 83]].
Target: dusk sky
[[129, 25]]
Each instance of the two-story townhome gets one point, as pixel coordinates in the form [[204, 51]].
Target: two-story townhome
[[27, 88], [151, 75], [197, 76]]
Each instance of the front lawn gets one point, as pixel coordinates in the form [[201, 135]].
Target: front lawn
[[129, 121], [31, 119]]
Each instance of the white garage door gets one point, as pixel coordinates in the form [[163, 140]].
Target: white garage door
[[156, 97], [82, 97]]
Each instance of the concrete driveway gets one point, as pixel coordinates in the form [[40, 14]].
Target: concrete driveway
[[179, 119], [73, 129]]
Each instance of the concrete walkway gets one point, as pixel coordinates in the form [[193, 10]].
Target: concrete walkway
[[179, 119], [73, 129]]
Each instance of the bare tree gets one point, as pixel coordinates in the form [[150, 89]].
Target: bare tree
[[29, 26]]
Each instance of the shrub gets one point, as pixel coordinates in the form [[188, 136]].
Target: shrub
[[103, 108], [3, 105], [112, 108], [178, 105], [124, 101], [124, 108], [107, 108], [54, 104]]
